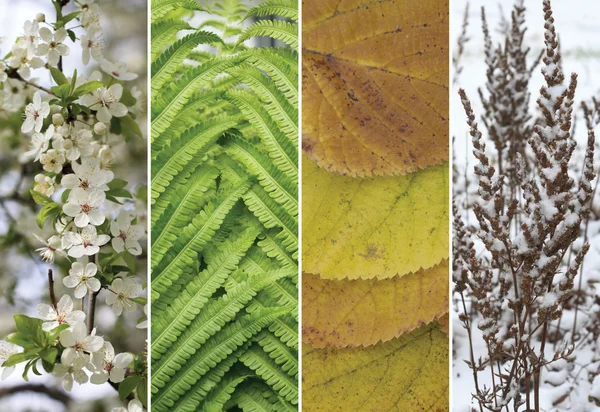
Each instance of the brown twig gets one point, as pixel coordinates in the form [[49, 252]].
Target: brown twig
[[51, 288], [51, 392]]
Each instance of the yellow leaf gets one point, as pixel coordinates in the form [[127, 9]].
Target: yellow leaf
[[343, 313], [373, 227], [406, 374], [375, 85]]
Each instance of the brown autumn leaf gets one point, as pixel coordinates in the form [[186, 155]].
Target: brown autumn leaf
[[363, 312], [409, 373], [375, 85]]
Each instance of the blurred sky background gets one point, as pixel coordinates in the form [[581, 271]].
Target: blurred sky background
[[23, 281]]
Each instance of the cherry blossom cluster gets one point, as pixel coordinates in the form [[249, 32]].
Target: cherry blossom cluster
[[70, 129]]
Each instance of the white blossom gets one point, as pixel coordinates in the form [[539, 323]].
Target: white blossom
[[121, 293], [86, 243], [88, 176], [83, 206], [90, 15], [39, 144], [100, 128], [13, 95], [52, 161], [108, 366], [92, 46], [108, 99], [7, 349], [70, 369], [30, 38], [3, 75], [44, 184], [133, 406], [54, 245], [53, 46], [107, 155], [78, 342], [82, 278], [118, 70], [144, 324], [74, 142], [23, 61], [35, 113], [125, 236], [62, 314]]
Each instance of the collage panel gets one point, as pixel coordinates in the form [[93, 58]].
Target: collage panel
[[525, 242], [375, 205], [224, 205], [73, 205]]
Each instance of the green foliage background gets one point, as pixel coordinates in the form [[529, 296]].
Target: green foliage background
[[224, 197]]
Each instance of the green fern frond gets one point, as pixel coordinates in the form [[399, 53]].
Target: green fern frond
[[282, 8], [168, 62], [161, 7], [280, 353], [184, 119], [222, 344], [280, 148], [265, 367], [282, 189], [197, 393], [187, 202], [254, 397], [277, 105], [193, 239], [164, 33], [221, 394], [213, 317], [180, 151], [277, 65], [273, 247], [276, 29], [166, 105], [224, 221], [188, 304]]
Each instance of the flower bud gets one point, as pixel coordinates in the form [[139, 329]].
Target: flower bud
[[40, 17], [107, 156], [100, 128], [57, 119]]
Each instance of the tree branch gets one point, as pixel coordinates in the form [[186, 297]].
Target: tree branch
[[52, 393], [14, 75], [51, 288]]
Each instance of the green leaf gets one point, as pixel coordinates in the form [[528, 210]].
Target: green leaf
[[49, 354], [67, 19], [116, 193], [127, 98], [128, 386], [21, 339], [117, 184], [48, 367], [39, 198], [49, 211], [58, 77], [88, 87], [130, 128], [65, 196], [28, 326], [52, 336], [117, 269], [72, 35], [15, 359], [141, 301], [142, 392]]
